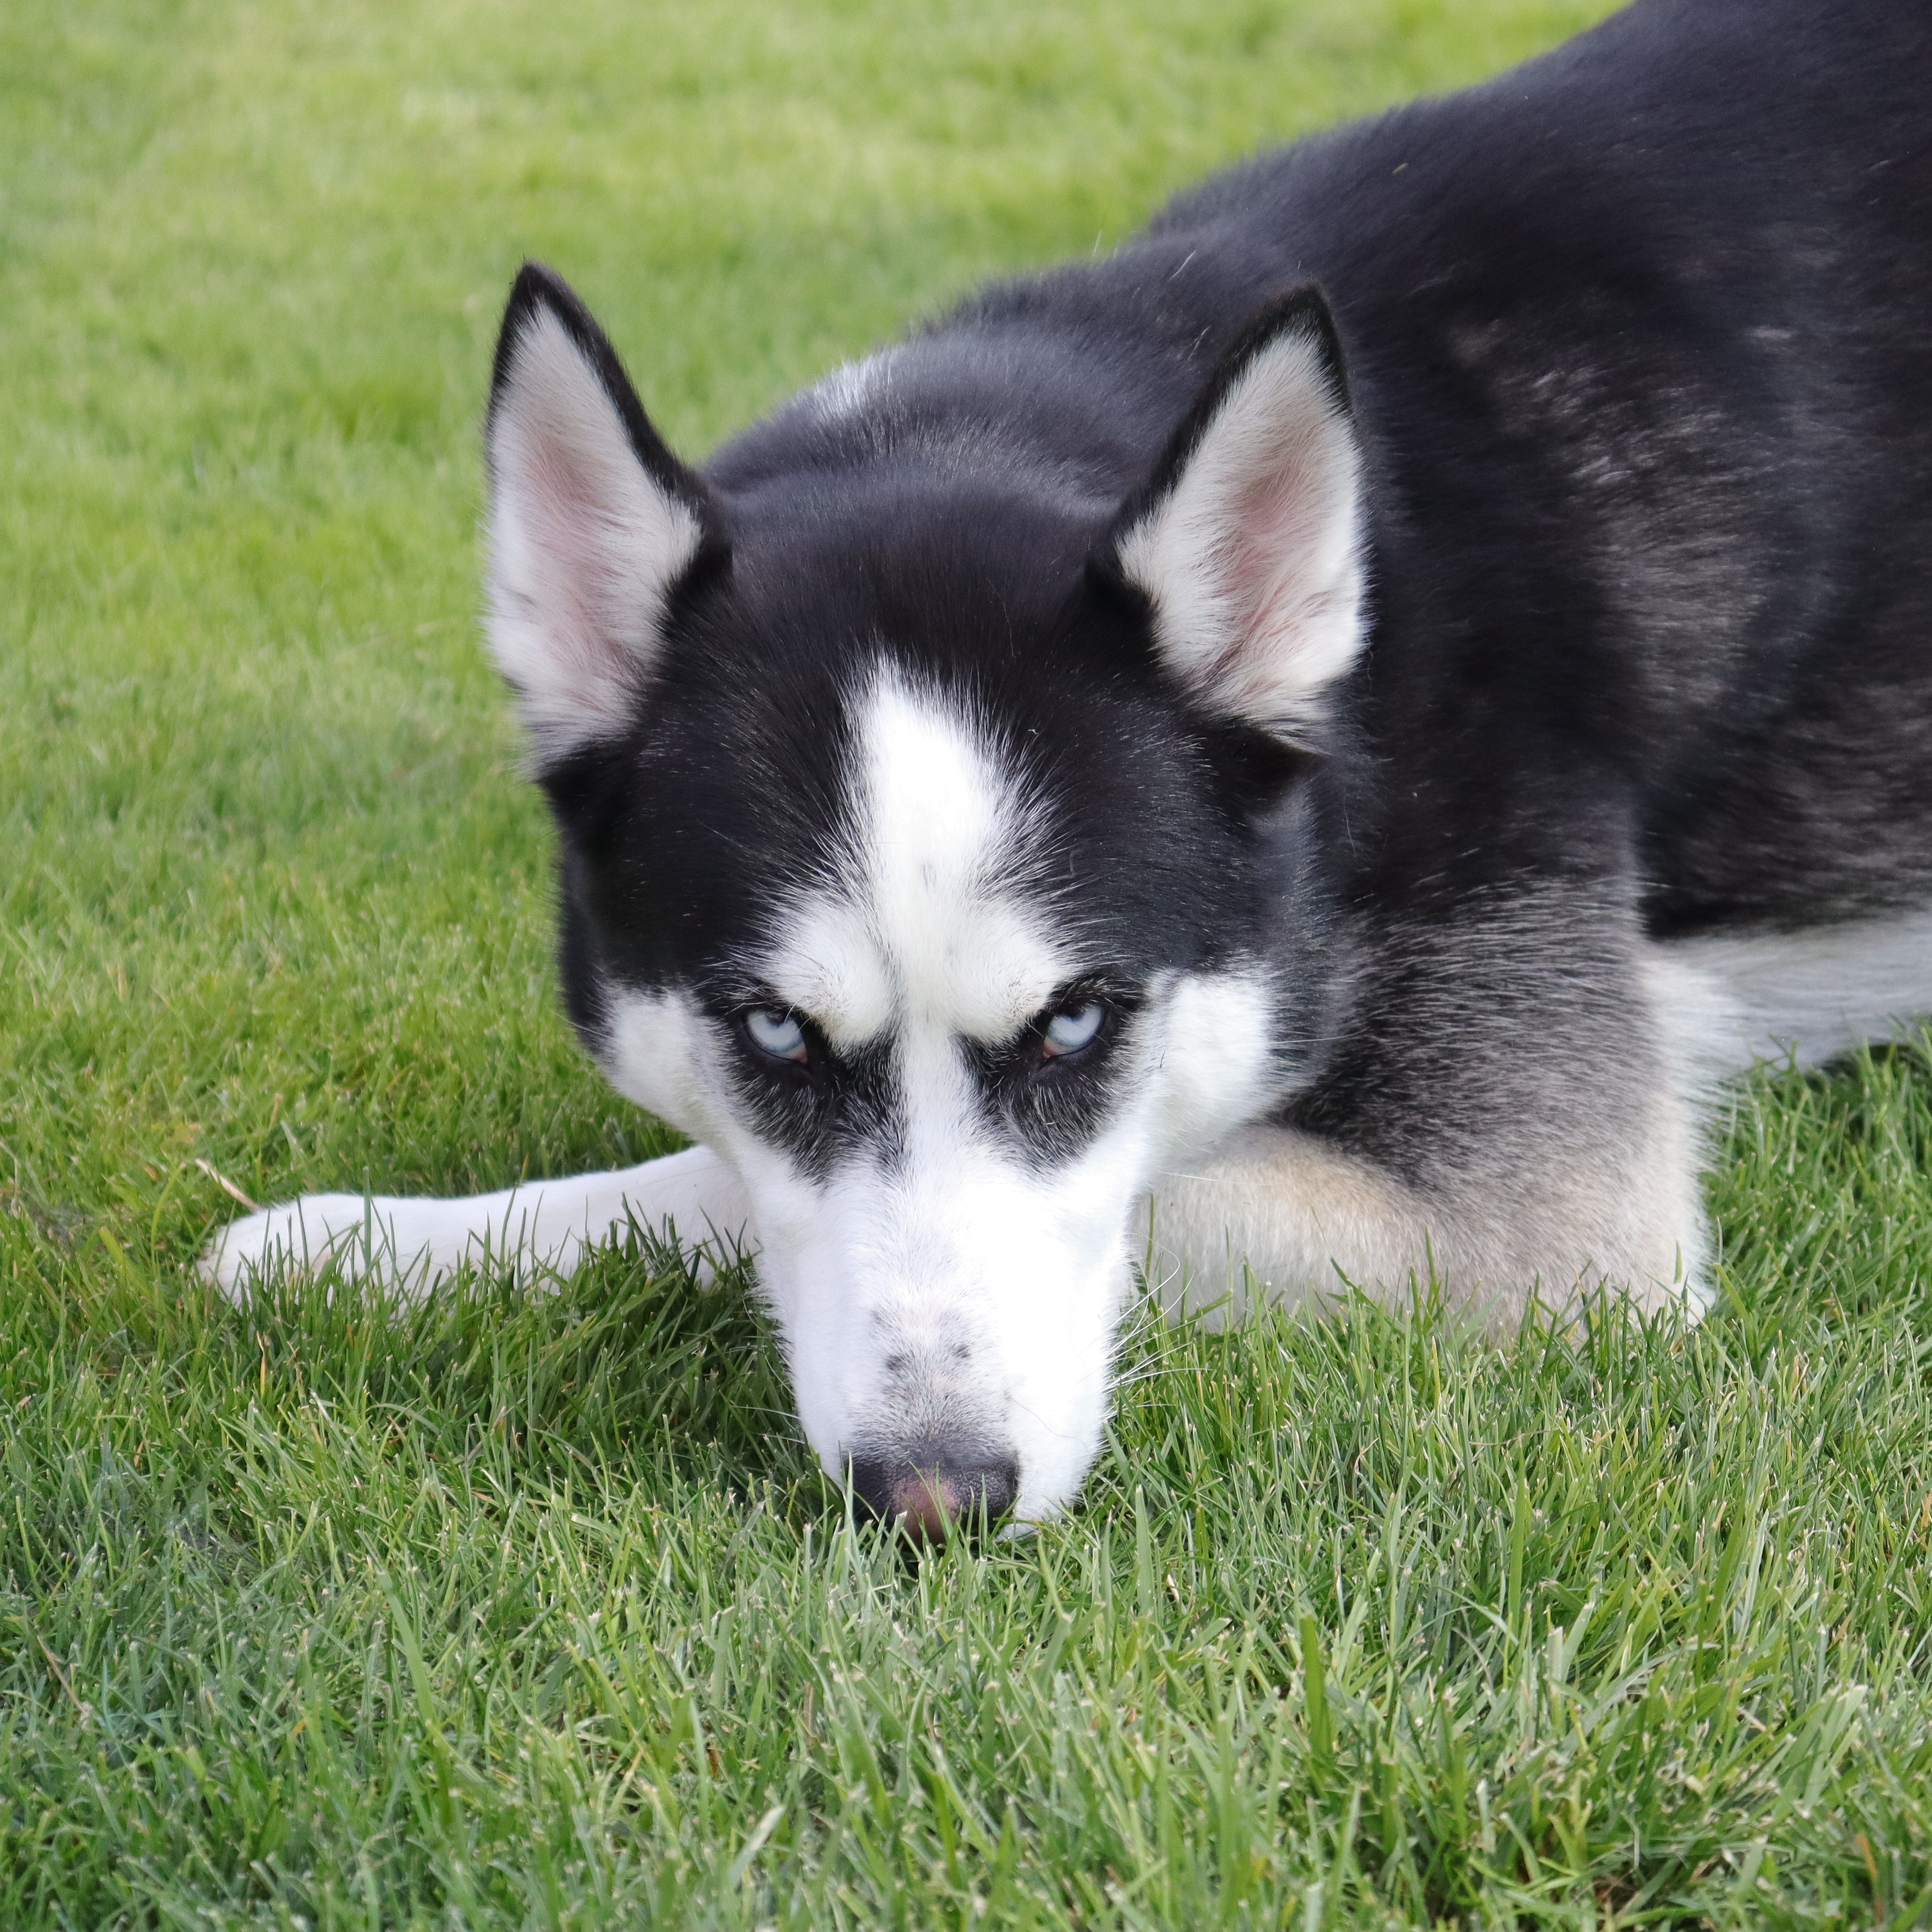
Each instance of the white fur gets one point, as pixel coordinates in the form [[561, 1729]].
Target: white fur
[[1302, 1219], [922, 924], [1253, 559], [1803, 996], [547, 1227], [958, 1241], [935, 934], [1004, 1284], [584, 545], [656, 1052], [850, 387]]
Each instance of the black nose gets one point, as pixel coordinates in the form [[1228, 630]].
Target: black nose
[[930, 1493]]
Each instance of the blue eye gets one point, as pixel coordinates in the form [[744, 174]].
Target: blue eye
[[1069, 1032], [773, 1031]]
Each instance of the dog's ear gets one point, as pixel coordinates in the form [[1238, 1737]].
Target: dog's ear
[[1247, 538], [592, 523]]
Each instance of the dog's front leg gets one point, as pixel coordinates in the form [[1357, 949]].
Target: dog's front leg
[[1301, 1219], [1509, 1112], [543, 1226], [1283, 1211]]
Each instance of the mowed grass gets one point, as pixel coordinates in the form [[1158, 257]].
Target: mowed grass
[[533, 1612]]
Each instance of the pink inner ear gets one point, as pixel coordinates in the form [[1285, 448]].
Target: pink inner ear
[[579, 548], [1251, 559], [1281, 523], [585, 543]]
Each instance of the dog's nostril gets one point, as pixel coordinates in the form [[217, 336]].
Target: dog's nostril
[[930, 1494]]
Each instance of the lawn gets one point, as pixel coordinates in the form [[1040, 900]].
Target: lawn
[[515, 1612]]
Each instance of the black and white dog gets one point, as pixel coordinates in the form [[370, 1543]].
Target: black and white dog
[[1298, 751]]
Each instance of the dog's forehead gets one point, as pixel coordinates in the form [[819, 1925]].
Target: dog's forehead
[[932, 910]]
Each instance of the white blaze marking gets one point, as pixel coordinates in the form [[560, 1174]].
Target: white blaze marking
[[925, 928]]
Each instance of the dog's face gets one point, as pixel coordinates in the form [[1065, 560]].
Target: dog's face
[[910, 814]]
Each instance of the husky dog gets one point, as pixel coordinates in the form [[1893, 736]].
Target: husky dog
[[1297, 752]]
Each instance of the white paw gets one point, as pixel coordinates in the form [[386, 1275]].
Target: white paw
[[300, 1237], [541, 1230]]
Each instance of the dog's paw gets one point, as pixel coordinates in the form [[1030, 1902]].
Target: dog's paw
[[299, 1238]]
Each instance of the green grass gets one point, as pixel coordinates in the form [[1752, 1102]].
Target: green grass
[[518, 1613]]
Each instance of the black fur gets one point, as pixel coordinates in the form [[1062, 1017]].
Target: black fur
[[1638, 340]]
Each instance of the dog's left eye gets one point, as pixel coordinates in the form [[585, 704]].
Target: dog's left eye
[[772, 1030], [1068, 1031]]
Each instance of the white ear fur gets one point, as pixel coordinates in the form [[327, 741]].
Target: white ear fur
[[585, 543], [1252, 556]]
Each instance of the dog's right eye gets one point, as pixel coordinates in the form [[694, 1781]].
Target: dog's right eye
[[772, 1030], [1068, 1031]]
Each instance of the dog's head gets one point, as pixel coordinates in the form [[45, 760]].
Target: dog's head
[[921, 788]]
